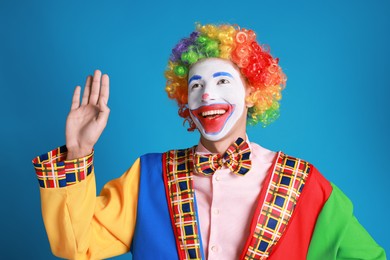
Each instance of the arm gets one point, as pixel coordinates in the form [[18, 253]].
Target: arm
[[338, 234], [79, 224], [356, 243]]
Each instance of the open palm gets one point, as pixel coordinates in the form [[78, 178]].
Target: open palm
[[87, 120]]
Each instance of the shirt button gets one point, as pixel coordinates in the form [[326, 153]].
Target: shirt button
[[216, 211], [217, 178], [214, 249]]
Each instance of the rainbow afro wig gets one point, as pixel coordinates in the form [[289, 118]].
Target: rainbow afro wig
[[239, 45]]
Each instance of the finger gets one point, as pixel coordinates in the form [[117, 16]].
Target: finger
[[87, 90], [103, 114], [95, 89], [76, 98], [104, 90]]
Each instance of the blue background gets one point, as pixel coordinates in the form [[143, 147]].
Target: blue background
[[335, 111]]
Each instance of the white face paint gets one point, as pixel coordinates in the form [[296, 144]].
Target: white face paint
[[216, 97]]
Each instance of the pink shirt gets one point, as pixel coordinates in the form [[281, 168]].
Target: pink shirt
[[226, 204]]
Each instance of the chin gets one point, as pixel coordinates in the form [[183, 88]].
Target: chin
[[231, 127], [212, 138], [215, 137]]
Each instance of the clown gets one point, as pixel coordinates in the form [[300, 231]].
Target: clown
[[225, 198]]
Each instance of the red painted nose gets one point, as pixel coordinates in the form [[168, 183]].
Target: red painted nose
[[205, 96]]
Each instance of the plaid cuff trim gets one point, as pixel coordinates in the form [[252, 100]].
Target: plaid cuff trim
[[53, 171]]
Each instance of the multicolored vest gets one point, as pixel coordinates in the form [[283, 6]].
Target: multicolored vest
[[292, 197]]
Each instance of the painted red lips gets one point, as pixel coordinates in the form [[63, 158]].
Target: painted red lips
[[213, 117]]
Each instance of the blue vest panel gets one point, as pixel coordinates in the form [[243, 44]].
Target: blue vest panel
[[153, 235]]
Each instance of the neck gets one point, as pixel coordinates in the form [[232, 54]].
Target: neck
[[222, 145]]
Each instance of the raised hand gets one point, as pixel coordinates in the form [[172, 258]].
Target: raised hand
[[86, 121]]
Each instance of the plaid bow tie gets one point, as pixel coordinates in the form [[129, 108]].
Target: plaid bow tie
[[236, 158]]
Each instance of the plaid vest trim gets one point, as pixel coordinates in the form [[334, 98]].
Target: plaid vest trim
[[277, 206], [181, 202]]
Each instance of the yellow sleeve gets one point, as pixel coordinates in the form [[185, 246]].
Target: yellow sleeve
[[82, 226]]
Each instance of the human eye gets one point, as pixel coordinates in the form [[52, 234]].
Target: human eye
[[223, 81], [196, 85]]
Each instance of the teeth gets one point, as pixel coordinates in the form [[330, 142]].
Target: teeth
[[214, 112]]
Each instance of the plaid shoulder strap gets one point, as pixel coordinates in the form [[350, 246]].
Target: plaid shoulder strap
[[276, 205], [179, 190]]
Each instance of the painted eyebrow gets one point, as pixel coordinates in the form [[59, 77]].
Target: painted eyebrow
[[222, 73], [195, 77]]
